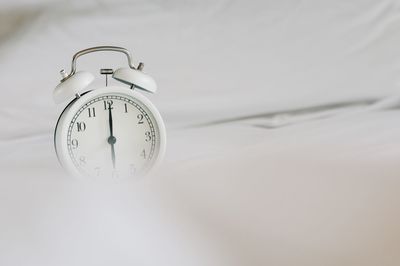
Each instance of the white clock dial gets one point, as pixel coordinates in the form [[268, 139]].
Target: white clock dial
[[111, 134]]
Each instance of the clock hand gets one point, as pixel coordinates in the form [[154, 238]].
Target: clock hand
[[113, 155], [110, 121], [111, 140]]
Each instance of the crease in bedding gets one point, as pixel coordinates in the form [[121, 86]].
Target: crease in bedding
[[277, 119]]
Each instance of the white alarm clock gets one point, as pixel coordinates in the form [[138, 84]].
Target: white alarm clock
[[112, 131]]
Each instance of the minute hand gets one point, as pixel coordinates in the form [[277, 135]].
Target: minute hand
[[110, 121]]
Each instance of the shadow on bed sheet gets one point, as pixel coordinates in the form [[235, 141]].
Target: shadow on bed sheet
[[281, 118]]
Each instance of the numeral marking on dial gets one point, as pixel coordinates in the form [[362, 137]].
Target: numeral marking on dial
[[97, 170], [140, 117], [80, 126], [92, 112], [74, 143], [143, 154], [132, 169], [148, 136], [108, 104], [115, 174], [82, 160]]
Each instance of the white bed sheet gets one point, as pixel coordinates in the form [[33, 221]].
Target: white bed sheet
[[331, 198], [245, 181]]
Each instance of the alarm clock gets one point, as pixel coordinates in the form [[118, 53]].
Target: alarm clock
[[112, 131]]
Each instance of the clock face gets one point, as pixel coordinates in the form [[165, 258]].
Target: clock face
[[112, 134]]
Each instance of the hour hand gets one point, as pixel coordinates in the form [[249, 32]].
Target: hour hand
[[111, 139]]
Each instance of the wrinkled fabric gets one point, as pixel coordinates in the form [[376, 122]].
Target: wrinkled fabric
[[281, 117]]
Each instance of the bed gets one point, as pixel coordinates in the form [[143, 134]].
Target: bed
[[281, 117]]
